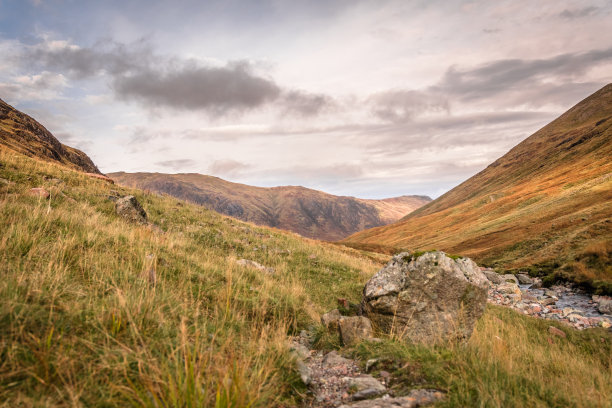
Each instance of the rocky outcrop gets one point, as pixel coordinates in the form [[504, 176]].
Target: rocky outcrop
[[23, 134], [426, 298], [130, 209]]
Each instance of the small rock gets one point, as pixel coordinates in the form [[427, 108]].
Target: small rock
[[366, 386], [256, 265], [371, 363], [524, 279], [354, 329], [333, 359], [305, 372], [300, 350], [493, 276], [604, 304], [39, 192], [510, 278], [548, 302], [130, 209], [416, 398], [330, 319], [509, 289], [554, 331], [605, 324]]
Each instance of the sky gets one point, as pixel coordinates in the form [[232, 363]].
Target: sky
[[370, 99]]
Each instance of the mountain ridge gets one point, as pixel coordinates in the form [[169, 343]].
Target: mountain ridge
[[308, 212]]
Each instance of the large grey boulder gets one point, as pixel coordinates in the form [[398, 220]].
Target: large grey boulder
[[428, 298], [130, 209]]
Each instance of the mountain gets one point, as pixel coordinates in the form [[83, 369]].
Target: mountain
[[310, 213], [546, 204], [25, 135]]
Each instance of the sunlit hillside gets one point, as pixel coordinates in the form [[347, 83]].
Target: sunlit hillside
[[544, 206]]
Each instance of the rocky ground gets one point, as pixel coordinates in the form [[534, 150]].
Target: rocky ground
[[336, 381], [562, 303]]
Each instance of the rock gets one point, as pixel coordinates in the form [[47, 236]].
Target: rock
[[354, 329], [493, 276], [330, 319], [333, 359], [537, 283], [550, 293], [130, 209], [371, 363], [548, 302], [101, 177], [300, 350], [604, 304], [416, 398], [509, 289], [554, 331], [510, 278], [365, 386], [524, 279], [39, 192], [305, 372], [256, 265], [428, 299], [605, 324]]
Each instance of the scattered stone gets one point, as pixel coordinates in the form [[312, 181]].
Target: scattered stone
[[365, 386], [256, 265], [493, 276], [510, 278], [416, 398], [605, 324], [354, 329], [524, 279], [130, 209], [431, 298], [330, 319], [371, 363], [39, 192], [548, 301], [509, 289], [554, 331], [604, 304], [333, 359]]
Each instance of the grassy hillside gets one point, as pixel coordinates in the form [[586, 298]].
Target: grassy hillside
[[310, 213], [84, 321], [23, 134], [545, 205]]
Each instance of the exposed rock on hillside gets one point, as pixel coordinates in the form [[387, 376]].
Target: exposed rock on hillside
[[427, 298], [25, 135], [311, 213], [130, 209]]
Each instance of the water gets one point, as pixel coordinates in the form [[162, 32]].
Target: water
[[568, 298]]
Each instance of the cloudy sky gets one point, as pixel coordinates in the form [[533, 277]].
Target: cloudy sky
[[365, 98]]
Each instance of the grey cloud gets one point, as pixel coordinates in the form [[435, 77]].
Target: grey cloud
[[579, 13], [194, 87], [138, 74], [177, 164], [227, 167], [498, 76], [306, 104], [404, 105]]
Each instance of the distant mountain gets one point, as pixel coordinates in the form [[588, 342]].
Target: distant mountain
[[310, 213], [25, 135], [547, 202]]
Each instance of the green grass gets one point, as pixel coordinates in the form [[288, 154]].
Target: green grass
[[83, 324]]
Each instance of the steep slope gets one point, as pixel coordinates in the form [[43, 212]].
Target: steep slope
[[548, 201], [310, 213], [25, 135]]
